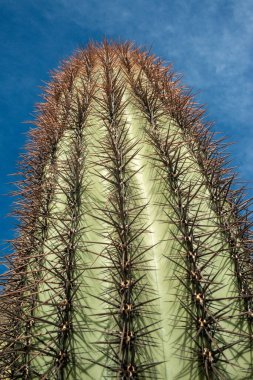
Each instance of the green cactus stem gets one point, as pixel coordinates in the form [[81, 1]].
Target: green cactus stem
[[133, 255]]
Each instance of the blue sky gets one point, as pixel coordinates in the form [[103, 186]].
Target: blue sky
[[209, 41]]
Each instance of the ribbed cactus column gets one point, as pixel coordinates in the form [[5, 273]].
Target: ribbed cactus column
[[133, 258]]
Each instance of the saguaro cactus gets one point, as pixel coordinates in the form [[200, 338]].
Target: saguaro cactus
[[133, 258]]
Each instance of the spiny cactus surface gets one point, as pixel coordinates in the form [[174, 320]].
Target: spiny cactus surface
[[133, 257]]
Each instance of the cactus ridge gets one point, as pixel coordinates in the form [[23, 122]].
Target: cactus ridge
[[133, 256]]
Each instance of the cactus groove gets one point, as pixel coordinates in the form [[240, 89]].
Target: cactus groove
[[133, 255]]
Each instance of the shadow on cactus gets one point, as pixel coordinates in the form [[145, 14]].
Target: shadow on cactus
[[133, 257]]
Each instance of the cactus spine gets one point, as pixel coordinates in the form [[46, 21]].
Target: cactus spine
[[133, 259]]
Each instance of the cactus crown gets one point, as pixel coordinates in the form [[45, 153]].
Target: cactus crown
[[133, 255]]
